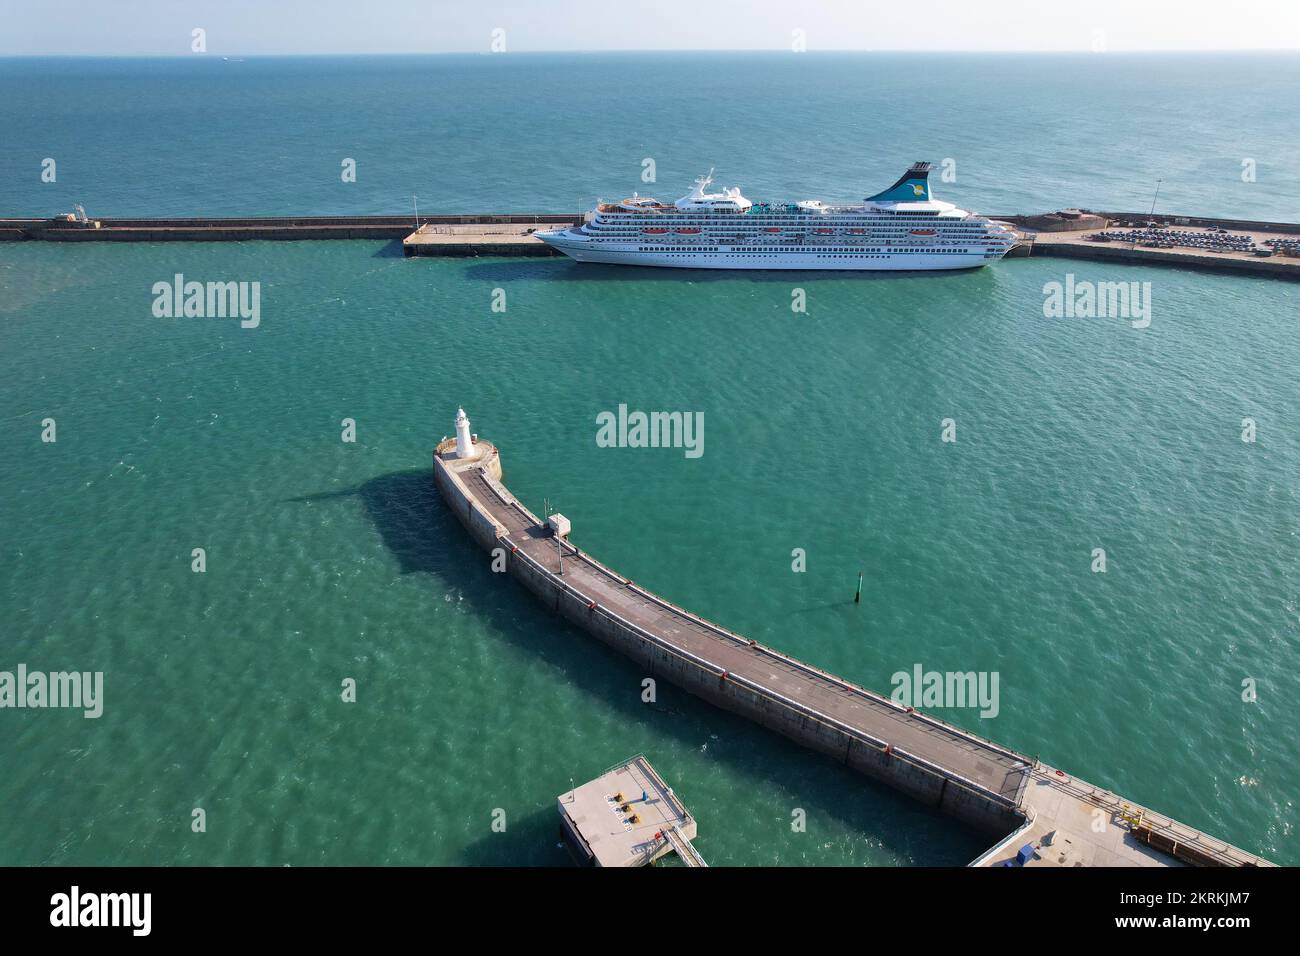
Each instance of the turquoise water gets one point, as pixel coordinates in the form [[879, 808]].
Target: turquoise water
[[328, 560]]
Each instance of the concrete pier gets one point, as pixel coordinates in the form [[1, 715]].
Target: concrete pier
[[1070, 237], [205, 229], [1077, 246], [950, 769], [511, 234], [479, 239], [628, 816]]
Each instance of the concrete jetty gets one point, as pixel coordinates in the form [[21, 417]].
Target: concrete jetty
[[477, 239], [1063, 233], [948, 768], [511, 234], [1070, 234], [628, 816], [1079, 246], [237, 229]]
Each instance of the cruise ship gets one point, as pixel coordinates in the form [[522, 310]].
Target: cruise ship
[[903, 227]]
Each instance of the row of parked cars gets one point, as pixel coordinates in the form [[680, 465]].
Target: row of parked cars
[[1284, 247], [1158, 236]]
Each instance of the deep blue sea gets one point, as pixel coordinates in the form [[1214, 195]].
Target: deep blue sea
[[549, 132], [329, 560]]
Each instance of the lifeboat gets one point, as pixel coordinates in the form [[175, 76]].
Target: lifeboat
[[923, 232], [655, 232], [857, 232], [772, 229], [823, 232], [688, 231]]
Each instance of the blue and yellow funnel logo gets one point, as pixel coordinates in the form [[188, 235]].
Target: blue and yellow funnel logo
[[911, 186]]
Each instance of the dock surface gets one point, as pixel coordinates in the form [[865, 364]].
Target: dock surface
[[511, 234], [628, 816], [478, 239], [1077, 245]]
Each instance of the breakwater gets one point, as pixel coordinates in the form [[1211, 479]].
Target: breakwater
[[510, 234], [1070, 235], [952, 770], [205, 229], [1064, 245]]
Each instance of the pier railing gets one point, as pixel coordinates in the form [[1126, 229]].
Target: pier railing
[[643, 763], [1137, 816], [987, 856]]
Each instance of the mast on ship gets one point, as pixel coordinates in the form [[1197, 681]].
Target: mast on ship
[[701, 184]]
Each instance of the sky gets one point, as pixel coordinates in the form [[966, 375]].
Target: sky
[[251, 27]]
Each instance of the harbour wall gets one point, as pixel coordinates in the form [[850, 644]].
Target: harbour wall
[[1271, 266], [207, 229], [961, 774], [509, 234], [1247, 225], [933, 785]]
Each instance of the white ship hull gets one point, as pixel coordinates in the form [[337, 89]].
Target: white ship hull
[[808, 259]]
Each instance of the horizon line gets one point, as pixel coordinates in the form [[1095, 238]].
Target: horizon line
[[489, 53]]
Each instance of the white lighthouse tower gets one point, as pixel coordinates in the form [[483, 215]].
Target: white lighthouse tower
[[464, 441]]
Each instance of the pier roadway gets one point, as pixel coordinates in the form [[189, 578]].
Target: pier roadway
[[1066, 821]]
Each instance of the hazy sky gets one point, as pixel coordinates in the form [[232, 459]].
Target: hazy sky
[[126, 27]]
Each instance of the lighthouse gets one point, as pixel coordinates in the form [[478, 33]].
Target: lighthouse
[[464, 441]]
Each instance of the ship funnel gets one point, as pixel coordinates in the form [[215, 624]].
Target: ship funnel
[[912, 186]]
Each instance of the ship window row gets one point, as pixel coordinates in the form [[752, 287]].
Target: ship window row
[[865, 254], [773, 255], [764, 217], [946, 233], [605, 228], [805, 249], [960, 234], [757, 211], [842, 217]]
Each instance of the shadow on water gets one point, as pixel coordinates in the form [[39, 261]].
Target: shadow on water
[[425, 538], [566, 270], [390, 250]]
